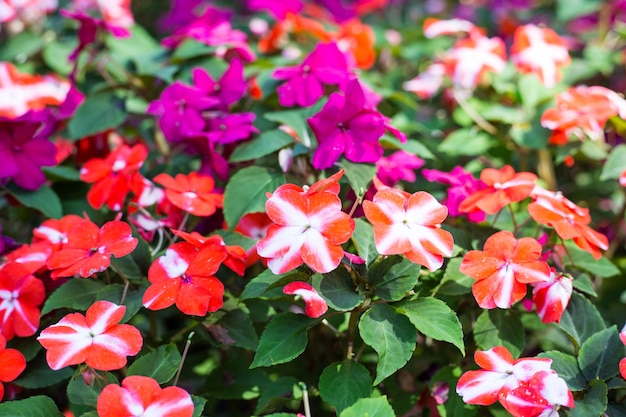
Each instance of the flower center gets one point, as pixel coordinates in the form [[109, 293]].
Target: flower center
[[342, 126], [16, 148], [186, 279]]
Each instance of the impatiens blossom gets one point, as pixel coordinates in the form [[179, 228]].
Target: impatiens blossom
[[95, 338], [398, 166], [185, 276], [305, 82], [526, 387], [89, 248], [113, 176], [410, 224], [503, 268], [27, 11], [316, 306], [235, 255], [55, 231], [309, 227], [540, 51], [12, 364], [114, 12], [622, 363], [345, 125], [142, 396], [552, 297], [193, 193], [428, 82], [21, 294], [278, 9], [438, 27], [228, 89], [24, 150], [582, 112], [503, 187]]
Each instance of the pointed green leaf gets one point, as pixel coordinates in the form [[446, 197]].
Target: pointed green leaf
[[198, 405], [391, 335], [369, 407], [99, 112], [133, 300], [393, 277], [595, 402], [615, 164], [584, 260], [76, 293], [433, 318], [266, 280], [343, 383], [499, 328], [43, 199], [600, 355], [359, 175], [268, 142], [338, 290], [246, 192], [284, 338], [80, 393], [240, 329], [567, 367], [454, 282], [37, 406], [160, 364], [363, 239], [581, 320]]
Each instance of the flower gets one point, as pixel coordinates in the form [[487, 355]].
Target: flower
[[346, 125], [142, 396], [315, 305], [462, 185], [112, 176], [503, 187], [229, 128], [12, 364], [622, 363], [236, 257], [326, 64], [551, 297], [409, 224], [398, 166], [503, 269], [89, 248], [437, 27], [471, 58], [309, 227], [20, 296], [228, 89], [96, 339], [24, 150], [29, 11], [278, 9], [185, 276], [192, 193], [541, 396], [540, 51], [428, 82]]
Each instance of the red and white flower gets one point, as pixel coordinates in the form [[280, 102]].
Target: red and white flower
[[428, 82], [96, 339], [316, 306], [552, 297], [410, 224], [541, 396], [142, 396], [193, 193], [12, 364], [21, 294], [473, 57], [622, 363]]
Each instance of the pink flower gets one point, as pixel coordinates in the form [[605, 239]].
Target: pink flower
[[315, 305], [346, 126], [428, 82], [278, 9], [305, 82], [472, 58], [551, 297], [398, 166], [96, 339], [541, 396], [228, 89]]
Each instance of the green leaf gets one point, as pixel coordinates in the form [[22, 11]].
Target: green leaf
[[128, 267], [43, 199], [567, 367], [600, 355], [595, 401], [391, 335], [584, 260], [454, 282], [343, 383], [37, 406], [266, 280], [499, 328], [198, 405], [615, 164], [246, 192], [98, 113], [20, 46], [530, 135], [369, 407], [240, 329], [363, 239], [267, 143], [594, 150], [132, 302], [570, 9], [581, 320], [284, 338], [296, 119], [466, 141], [61, 172], [76, 293], [160, 364], [338, 290], [433, 318], [583, 284], [531, 91], [359, 176], [80, 393], [39, 375], [393, 277], [275, 394]]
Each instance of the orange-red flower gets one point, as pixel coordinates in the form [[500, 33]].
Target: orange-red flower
[[236, 256], [96, 339], [410, 224], [193, 193], [503, 268], [21, 294], [504, 187], [12, 364]]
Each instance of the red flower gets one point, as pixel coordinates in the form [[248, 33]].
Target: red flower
[[504, 187], [253, 225], [32, 257], [316, 306], [193, 193], [409, 224], [622, 363], [89, 248], [55, 231], [504, 268], [142, 396], [20, 295], [236, 257], [309, 227], [184, 275], [95, 339], [113, 175], [552, 297], [12, 364]]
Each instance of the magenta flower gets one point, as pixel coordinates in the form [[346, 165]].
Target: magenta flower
[[231, 128], [228, 89], [24, 150], [278, 9], [462, 184], [346, 126], [305, 82], [180, 109], [398, 166]]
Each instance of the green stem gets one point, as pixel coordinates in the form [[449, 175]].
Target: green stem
[[182, 359]]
